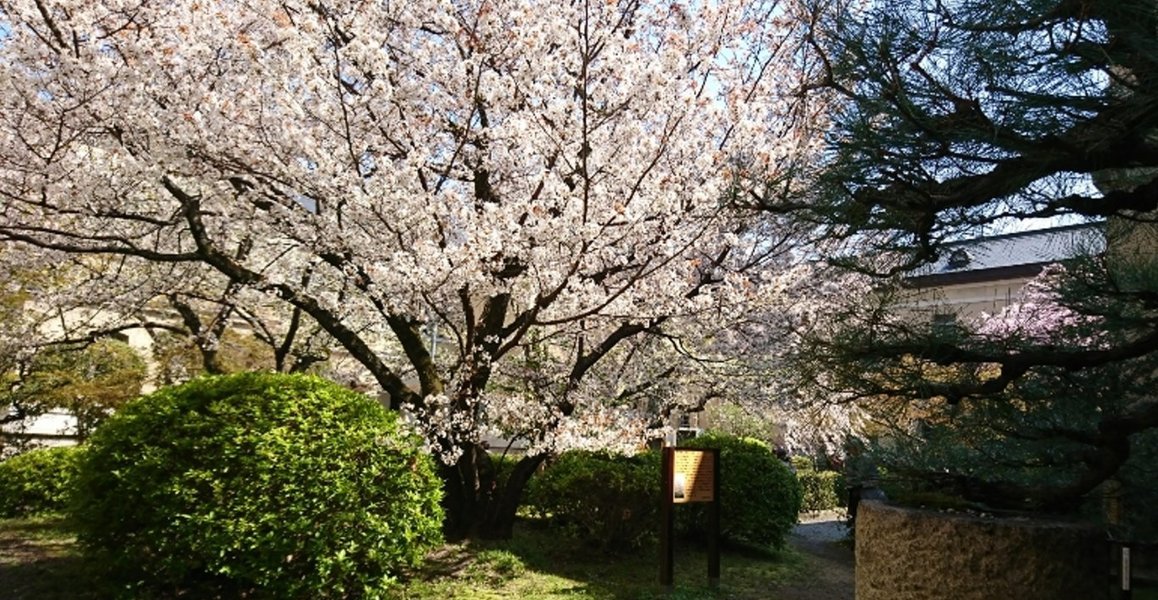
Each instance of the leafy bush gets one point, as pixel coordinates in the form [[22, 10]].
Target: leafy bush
[[802, 463], [602, 499], [37, 481], [823, 490], [503, 465], [90, 382], [743, 421], [759, 497], [256, 485]]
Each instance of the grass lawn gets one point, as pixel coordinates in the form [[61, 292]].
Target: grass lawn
[[39, 560], [536, 565]]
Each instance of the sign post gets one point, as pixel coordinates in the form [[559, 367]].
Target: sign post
[[667, 519], [689, 475], [714, 523], [1127, 593]]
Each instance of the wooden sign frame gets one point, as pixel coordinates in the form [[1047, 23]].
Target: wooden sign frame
[[689, 475]]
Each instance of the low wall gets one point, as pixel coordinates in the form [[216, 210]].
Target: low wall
[[915, 554]]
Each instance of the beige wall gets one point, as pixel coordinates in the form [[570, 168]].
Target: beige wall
[[915, 554], [969, 299]]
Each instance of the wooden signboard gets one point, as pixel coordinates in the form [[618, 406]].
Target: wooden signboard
[[693, 477], [689, 475]]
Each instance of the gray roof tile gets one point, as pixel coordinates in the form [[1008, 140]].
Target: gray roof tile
[[1037, 247]]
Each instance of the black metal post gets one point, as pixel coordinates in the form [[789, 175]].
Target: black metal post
[[667, 519], [714, 523]]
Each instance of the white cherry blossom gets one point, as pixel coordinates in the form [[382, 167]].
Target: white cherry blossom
[[543, 187]]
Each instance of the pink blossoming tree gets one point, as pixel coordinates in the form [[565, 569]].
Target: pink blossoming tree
[[514, 215]]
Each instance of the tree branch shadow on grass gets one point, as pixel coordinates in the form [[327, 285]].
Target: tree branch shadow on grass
[[541, 563], [39, 561], [55, 578]]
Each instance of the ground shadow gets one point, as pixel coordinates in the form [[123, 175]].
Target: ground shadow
[[52, 578], [615, 573]]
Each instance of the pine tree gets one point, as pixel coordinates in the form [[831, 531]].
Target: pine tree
[[957, 118]]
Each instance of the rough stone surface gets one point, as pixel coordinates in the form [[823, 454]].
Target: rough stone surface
[[915, 554]]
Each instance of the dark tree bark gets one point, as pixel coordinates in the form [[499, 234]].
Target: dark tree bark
[[478, 501]]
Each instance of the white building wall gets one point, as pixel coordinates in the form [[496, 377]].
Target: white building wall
[[970, 299]]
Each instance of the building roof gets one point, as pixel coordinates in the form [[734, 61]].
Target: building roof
[[1021, 254]]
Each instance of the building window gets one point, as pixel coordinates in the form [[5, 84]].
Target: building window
[[958, 259], [944, 322]]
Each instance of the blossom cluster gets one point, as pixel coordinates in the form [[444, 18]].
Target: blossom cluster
[[445, 187]]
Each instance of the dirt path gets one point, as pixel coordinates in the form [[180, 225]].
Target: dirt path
[[820, 538]]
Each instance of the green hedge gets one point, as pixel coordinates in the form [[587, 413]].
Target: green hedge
[[612, 501], [257, 486], [759, 497], [823, 490], [603, 500], [802, 463], [37, 481]]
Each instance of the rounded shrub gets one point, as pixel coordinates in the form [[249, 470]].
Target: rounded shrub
[[760, 498], [37, 481], [259, 486], [823, 490], [606, 500]]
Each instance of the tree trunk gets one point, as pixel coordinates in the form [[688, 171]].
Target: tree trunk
[[499, 520], [478, 502], [461, 486]]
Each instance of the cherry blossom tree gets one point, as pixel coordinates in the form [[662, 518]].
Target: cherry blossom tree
[[492, 205], [1039, 315], [207, 324]]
